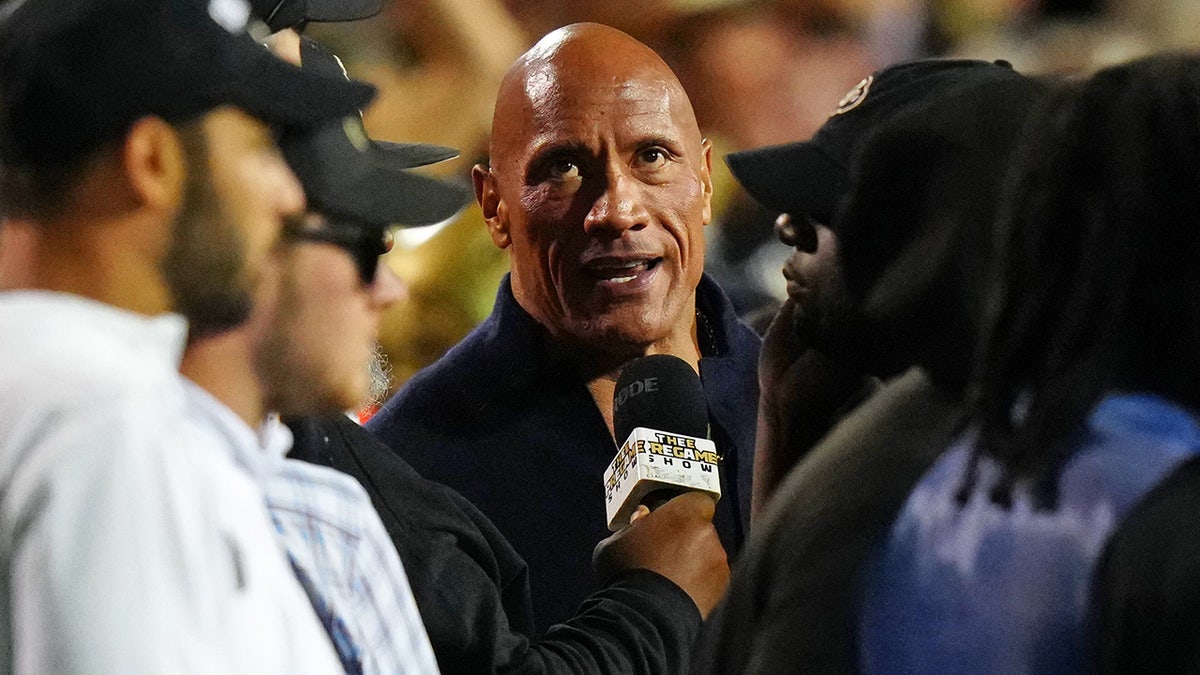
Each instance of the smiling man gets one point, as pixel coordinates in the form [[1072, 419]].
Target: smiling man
[[599, 187]]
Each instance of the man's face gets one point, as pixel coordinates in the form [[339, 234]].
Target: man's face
[[827, 315], [603, 190], [238, 194], [320, 325]]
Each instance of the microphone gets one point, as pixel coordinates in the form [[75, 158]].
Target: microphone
[[660, 410]]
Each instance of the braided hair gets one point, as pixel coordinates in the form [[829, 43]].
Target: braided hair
[[1098, 284]]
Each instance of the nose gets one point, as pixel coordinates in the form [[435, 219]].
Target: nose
[[289, 193], [799, 234], [388, 288], [784, 230], [618, 208]]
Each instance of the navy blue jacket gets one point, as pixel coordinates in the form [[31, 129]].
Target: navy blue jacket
[[509, 424]]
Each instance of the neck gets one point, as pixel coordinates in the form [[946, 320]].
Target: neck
[[110, 261], [601, 369], [223, 365]]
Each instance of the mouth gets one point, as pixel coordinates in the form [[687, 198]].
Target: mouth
[[623, 271]]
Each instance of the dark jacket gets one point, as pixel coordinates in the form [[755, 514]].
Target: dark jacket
[[472, 588], [791, 601], [515, 430]]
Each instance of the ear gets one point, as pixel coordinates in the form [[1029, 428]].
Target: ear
[[706, 178], [495, 211], [153, 158]]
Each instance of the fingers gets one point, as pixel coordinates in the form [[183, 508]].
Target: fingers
[[641, 510]]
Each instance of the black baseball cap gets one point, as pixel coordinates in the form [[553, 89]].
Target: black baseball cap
[[811, 177], [318, 59], [76, 73], [280, 14], [351, 178]]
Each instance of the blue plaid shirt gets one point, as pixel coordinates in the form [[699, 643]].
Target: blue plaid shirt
[[334, 537], [338, 547]]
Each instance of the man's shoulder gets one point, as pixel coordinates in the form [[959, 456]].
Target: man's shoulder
[[734, 338], [77, 352], [488, 365], [321, 494]]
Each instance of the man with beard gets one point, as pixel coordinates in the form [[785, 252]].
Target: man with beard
[[305, 350], [138, 177], [598, 184]]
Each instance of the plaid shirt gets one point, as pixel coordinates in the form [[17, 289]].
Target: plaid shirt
[[334, 537], [338, 547]]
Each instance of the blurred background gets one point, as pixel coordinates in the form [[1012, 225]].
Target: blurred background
[[758, 72]]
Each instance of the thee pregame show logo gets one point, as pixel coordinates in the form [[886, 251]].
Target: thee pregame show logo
[[652, 460]]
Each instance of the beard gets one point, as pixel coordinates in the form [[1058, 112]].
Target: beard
[[379, 371], [837, 326], [205, 263]]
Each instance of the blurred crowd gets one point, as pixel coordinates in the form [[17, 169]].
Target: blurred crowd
[[437, 64]]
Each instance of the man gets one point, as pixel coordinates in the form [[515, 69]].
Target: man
[[599, 187], [889, 209], [306, 350], [470, 586], [138, 177]]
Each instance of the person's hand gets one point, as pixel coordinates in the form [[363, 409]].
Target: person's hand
[[782, 347], [676, 540]]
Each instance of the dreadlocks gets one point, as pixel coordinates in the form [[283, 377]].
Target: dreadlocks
[[1099, 281]]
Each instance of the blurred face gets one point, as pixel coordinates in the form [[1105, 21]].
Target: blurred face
[[319, 343], [239, 192], [812, 269], [826, 313], [599, 186]]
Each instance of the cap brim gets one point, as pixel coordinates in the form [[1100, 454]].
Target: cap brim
[[344, 181], [285, 95], [795, 178], [342, 10], [401, 198], [408, 155]]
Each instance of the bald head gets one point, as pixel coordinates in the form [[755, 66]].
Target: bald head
[[599, 185], [583, 59]]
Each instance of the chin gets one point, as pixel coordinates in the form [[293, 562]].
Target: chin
[[351, 395], [620, 332]]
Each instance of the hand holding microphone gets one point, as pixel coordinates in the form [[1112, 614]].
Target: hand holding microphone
[[677, 541], [660, 411]]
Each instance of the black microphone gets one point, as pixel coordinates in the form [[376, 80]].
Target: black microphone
[[660, 410]]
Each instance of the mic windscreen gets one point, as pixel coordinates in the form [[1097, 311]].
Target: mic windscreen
[[659, 392]]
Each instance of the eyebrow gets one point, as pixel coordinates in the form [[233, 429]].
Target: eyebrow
[[675, 145]]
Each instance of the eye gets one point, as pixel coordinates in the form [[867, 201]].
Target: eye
[[562, 169], [653, 157]]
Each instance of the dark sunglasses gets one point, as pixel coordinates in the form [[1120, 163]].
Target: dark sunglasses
[[364, 243]]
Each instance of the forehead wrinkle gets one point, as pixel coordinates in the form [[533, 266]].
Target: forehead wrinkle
[[569, 77], [622, 104]]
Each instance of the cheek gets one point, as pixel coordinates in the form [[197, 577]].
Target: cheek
[[682, 209], [544, 232]]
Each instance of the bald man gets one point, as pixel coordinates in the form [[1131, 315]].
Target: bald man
[[658, 577], [599, 187]]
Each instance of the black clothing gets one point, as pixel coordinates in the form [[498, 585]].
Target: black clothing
[[472, 588], [506, 419], [791, 601], [1146, 593]]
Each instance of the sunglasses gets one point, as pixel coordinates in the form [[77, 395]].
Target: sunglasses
[[364, 243]]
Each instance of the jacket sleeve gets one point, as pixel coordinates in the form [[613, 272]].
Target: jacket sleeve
[[472, 588]]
